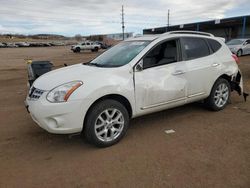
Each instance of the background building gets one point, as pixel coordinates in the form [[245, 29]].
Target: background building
[[228, 28], [114, 36], [118, 36]]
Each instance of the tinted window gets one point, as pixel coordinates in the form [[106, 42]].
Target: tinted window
[[164, 53], [214, 45], [195, 48], [248, 41]]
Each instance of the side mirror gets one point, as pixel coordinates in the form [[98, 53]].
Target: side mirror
[[139, 66], [245, 43]]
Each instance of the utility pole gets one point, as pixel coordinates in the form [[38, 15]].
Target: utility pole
[[123, 26], [168, 20]]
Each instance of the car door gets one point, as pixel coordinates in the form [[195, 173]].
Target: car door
[[88, 46], [200, 67], [83, 46], [160, 82]]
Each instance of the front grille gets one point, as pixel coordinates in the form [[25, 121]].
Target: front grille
[[35, 93]]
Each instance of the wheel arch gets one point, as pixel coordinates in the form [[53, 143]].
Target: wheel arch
[[242, 51], [233, 80], [119, 98]]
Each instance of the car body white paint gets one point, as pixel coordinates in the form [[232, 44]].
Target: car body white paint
[[150, 90]]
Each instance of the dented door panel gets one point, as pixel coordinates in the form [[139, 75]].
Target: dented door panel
[[160, 87]]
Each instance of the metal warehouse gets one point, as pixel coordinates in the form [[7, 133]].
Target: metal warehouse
[[228, 28]]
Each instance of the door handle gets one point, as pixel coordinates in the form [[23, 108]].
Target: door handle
[[178, 72], [215, 64]]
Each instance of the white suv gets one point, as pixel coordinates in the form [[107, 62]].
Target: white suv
[[86, 46], [136, 77]]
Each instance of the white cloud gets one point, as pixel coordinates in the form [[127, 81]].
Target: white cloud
[[103, 16]]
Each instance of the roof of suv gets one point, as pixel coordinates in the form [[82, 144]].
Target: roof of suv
[[179, 33]]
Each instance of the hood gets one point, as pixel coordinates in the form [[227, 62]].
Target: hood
[[60, 76]]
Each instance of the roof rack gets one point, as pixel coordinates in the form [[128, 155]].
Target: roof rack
[[190, 32]]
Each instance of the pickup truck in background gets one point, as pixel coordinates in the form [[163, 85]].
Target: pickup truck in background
[[86, 46]]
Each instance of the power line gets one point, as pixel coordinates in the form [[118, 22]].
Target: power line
[[123, 26], [168, 20]]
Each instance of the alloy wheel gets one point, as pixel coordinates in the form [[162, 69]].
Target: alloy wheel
[[221, 95], [109, 125]]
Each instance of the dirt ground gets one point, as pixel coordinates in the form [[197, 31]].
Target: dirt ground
[[208, 149]]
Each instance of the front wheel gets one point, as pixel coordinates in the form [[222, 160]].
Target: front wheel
[[219, 95], [239, 53], [106, 123]]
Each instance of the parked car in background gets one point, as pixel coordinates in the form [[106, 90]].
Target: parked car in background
[[11, 45], [57, 43], [3, 45], [45, 44], [86, 46], [239, 46], [22, 44], [103, 45], [35, 44], [136, 77]]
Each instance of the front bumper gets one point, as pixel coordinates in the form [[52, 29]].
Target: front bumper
[[58, 118]]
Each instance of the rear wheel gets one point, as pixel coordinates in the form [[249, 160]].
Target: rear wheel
[[219, 95], [106, 123], [77, 50]]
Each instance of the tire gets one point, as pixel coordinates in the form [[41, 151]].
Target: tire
[[96, 49], [219, 96], [239, 53], [77, 50], [99, 126]]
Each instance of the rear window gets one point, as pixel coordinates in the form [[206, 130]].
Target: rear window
[[215, 45], [194, 48]]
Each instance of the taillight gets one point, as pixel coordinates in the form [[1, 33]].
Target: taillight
[[237, 60]]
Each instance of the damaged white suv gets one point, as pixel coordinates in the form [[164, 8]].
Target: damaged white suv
[[136, 77]]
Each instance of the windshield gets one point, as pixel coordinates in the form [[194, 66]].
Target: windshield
[[235, 42], [120, 55]]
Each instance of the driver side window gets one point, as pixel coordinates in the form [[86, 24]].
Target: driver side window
[[162, 54]]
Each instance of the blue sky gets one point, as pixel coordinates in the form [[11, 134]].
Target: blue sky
[[86, 17]]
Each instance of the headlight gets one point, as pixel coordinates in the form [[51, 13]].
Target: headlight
[[63, 92]]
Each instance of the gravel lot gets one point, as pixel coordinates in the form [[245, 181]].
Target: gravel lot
[[208, 149]]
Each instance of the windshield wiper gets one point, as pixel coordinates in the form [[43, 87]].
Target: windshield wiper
[[98, 65], [93, 64]]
